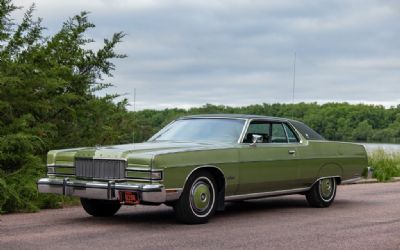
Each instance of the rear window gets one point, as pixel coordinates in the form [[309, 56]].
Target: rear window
[[306, 131]]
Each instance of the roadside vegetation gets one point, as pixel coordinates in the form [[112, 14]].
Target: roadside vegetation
[[48, 100], [385, 165]]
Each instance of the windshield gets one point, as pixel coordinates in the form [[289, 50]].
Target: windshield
[[201, 129]]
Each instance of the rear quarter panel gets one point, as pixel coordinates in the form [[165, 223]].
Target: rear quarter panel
[[329, 158]]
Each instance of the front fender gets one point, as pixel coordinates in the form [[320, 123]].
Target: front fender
[[177, 167]]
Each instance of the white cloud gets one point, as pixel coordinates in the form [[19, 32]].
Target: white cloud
[[184, 53]]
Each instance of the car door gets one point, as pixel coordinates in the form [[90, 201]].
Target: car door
[[270, 164]]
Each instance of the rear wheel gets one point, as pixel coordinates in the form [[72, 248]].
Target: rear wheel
[[198, 199], [100, 208], [322, 193]]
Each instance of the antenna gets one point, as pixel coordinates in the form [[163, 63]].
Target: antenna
[[294, 83], [134, 118], [134, 99]]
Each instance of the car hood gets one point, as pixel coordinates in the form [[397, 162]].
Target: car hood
[[139, 154]]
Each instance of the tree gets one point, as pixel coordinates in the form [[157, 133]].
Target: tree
[[47, 98], [363, 131]]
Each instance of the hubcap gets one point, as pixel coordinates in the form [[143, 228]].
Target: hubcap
[[326, 188], [200, 196]]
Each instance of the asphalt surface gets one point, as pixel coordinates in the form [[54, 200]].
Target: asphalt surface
[[363, 216]]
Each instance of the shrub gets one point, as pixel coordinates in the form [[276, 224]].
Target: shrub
[[18, 190], [385, 165]]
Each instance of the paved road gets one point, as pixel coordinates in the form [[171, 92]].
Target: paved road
[[364, 216]]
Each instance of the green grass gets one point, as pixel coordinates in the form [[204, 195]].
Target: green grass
[[385, 165]]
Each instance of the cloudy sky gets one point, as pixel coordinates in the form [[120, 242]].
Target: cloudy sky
[[188, 53]]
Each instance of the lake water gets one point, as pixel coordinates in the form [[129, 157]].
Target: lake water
[[389, 148]]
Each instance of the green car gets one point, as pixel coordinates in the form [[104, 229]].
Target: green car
[[197, 163]]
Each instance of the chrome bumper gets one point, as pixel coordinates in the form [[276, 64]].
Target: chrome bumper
[[154, 193]]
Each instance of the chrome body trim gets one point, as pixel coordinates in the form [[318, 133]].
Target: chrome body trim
[[295, 132], [199, 167], [61, 175], [299, 135], [212, 117], [139, 166], [274, 193], [156, 135], [144, 170], [149, 171], [265, 194], [140, 169], [101, 158], [325, 177], [154, 193], [64, 165], [244, 130], [286, 133], [142, 179], [287, 122]]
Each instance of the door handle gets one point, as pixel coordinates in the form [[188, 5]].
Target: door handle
[[292, 152]]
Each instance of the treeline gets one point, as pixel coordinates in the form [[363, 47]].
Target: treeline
[[335, 121], [48, 101]]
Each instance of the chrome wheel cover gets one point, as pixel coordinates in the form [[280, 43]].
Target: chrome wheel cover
[[327, 188], [202, 196]]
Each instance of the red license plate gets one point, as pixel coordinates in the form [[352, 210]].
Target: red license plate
[[128, 198]]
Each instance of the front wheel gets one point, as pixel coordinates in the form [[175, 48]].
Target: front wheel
[[197, 202], [100, 208], [322, 193]]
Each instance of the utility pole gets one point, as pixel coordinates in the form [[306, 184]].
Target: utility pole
[[134, 117]]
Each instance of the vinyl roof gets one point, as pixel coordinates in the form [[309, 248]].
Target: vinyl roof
[[306, 131], [235, 116]]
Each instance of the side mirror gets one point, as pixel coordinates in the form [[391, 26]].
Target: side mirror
[[256, 139]]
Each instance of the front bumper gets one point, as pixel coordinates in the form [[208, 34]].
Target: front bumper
[[153, 193]]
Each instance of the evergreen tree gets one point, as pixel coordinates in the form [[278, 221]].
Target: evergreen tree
[[47, 99]]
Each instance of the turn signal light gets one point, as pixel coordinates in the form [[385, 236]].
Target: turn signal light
[[156, 175]]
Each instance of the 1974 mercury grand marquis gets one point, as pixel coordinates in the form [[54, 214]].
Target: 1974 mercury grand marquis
[[196, 163]]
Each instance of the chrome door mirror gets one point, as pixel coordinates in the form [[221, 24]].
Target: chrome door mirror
[[256, 139]]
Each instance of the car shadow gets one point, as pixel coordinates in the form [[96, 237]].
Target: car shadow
[[163, 215], [281, 204]]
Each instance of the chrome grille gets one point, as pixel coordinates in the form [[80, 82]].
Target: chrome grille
[[100, 168]]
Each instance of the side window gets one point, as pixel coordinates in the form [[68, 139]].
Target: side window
[[278, 133], [291, 135], [306, 131], [260, 128]]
